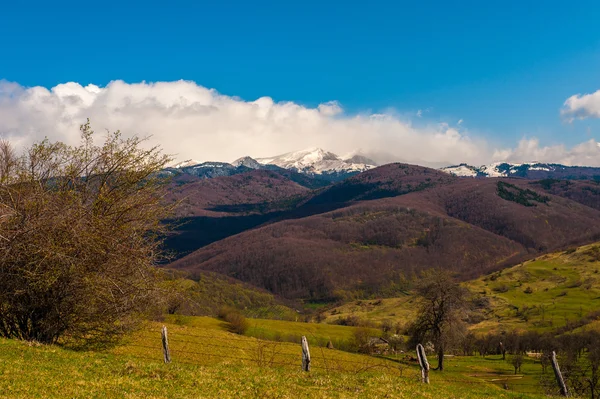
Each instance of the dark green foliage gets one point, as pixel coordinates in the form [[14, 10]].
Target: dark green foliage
[[525, 197], [547, 183]]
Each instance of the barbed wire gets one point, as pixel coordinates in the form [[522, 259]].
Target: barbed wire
[[366, 364]]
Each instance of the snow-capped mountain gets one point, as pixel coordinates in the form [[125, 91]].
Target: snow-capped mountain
[[247, 162], [186, 164], [316, 161], [530, 170]]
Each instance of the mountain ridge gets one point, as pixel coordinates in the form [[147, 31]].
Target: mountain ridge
[[528, 170], [327, 166]]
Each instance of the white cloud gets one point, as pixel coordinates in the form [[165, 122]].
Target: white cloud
[[193, 122], [581, 106], [528, 150]]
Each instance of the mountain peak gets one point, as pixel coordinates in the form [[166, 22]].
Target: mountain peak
[[526, 169], [186, 164], [315, 160], [247, 162]]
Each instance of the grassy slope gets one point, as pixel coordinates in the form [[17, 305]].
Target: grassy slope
[[292, 331], [401, 309], [227, 367], [212, 291], [564, 287]]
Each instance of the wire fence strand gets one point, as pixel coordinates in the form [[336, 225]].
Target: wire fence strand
[[275, 358]]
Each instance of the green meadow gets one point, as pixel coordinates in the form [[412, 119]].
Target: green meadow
[[210, 362]]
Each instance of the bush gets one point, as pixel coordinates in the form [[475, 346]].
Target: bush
[[237, 322], [80, 238], [501, 288]]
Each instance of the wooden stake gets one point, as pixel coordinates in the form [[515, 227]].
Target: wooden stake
[[305, 355], [423, 363], [165, 345], [559, 378]]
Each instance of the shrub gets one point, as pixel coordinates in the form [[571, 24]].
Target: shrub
[[501, 288], [237, 322], [80, 238]]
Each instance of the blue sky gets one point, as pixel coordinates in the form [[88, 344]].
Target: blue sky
[[504, 68]]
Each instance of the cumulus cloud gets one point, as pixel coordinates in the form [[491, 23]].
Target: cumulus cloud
[[529, 150], [193, 122], [581, 106]]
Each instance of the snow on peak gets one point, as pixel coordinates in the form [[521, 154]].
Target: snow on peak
[[496, 169], [314, 161], [186, 164], [462, 170], [247, 162]]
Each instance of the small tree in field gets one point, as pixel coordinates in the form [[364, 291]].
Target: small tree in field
[[441, 313], [79, 236], [517, 362]]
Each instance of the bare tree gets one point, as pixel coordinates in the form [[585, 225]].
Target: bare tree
[[80, 230], [441, 313], [8, 161]]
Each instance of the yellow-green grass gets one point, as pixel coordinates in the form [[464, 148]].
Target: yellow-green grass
[[206, 341], [319, 333], [209, 362], [541, 294], [401, 309], [544, 293]]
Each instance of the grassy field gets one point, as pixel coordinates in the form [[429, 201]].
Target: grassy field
[[210, 362], [400, 309], [554, 290], [319, 333]]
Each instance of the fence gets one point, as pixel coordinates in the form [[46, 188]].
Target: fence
[[204, 349]]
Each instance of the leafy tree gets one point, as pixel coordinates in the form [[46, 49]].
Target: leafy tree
[[441, 313], [80, 230], [517, 362]]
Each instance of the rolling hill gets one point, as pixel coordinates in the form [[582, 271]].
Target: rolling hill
[[557, 292], [391, 222]]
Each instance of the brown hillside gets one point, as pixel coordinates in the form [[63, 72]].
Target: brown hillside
[[515, 209], [202, 197], [582, 191], [468, 225], [385, 181]]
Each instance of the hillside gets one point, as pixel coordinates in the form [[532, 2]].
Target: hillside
[[561, 289], [364, 248], [584, 192], [385, 181], [209, 293], [554, 292], [212, 197], [212, 209], [209, 362]]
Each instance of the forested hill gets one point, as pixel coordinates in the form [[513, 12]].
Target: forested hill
[[366, 233]]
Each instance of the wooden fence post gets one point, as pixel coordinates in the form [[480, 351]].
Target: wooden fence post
[[305, 355], [559, 378], [165, 345], [423, 363]]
